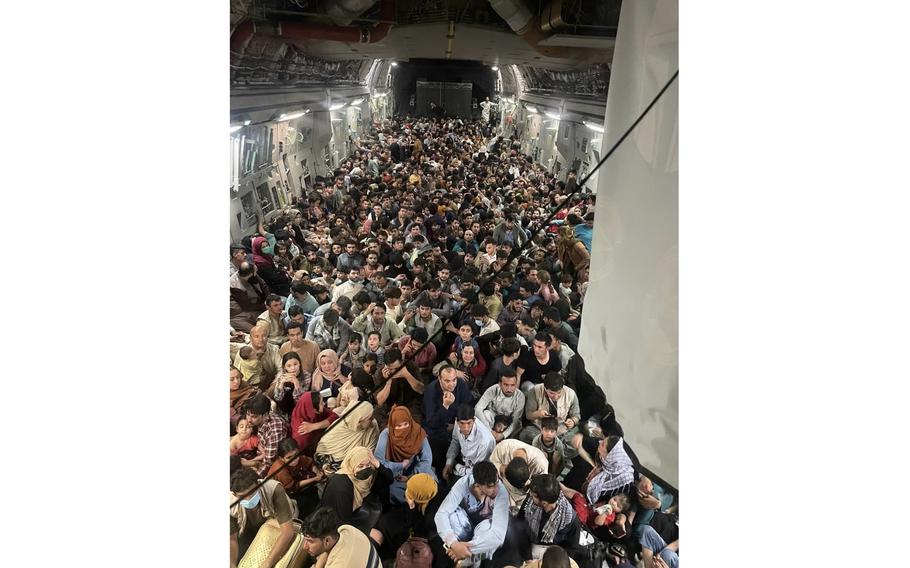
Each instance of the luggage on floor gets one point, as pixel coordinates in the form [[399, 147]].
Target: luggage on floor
[[266, 537]]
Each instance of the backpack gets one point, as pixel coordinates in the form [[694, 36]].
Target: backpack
[[414, 553]]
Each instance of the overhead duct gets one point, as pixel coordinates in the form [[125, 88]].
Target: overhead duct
[[527, 25], [343, 12], [552, 19], [296, 30]]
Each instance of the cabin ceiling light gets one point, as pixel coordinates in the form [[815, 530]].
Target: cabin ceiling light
[[292, 115], [356, 102], [594, 127], [532, 109], [236, 127], [494, 68], [552, 115], [337, 106]]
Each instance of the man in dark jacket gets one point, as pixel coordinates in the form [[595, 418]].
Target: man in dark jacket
[[248, 293], [440, 403]]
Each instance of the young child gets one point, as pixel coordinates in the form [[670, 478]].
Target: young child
[[548, 442], [370, 363], [374, 345], [565, 287], [601, 519], [611, 512], [465, 336], [299, 477], [501, 422], [546, 290], [245, 444], [248, 365], [353, 355]]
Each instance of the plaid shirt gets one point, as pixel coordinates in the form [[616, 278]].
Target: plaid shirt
[[273, 430]]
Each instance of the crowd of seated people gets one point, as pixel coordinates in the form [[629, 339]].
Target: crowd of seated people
[[404, 372]]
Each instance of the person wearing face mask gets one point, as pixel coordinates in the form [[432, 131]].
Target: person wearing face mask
[[252, 507], [403, 448], [483, 321], [278, 281], [353, 491]]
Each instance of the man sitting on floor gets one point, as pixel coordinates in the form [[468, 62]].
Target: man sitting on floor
[[503, 399], [256, 506], [474, 516], [273, 317], [472, 442], [545, 519], [552, 398], [335, 545]]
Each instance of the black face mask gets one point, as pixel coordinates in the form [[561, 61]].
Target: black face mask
[[365, 474]]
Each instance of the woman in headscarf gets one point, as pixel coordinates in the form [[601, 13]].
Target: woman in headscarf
[[571, 252], [329, 373], [308, 419], [414, 518], [277, 281], [614, 475], [356, 427], [404, 449], [351, 492]]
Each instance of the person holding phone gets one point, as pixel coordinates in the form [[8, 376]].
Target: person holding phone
[[552, 399]]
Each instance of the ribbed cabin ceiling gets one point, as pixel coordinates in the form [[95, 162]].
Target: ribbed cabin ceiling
[[558, 46]]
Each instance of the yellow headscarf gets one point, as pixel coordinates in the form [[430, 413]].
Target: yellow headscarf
[[421, 489], [346, 435], [361, 486]]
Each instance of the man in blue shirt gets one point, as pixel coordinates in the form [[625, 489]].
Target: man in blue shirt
[[300, 296], [583, 229], [474, 517]]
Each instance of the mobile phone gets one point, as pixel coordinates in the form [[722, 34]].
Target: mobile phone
[[325, 393]]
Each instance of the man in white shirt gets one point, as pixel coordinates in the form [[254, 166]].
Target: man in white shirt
[[502, 399], [483, 320], [350, 287], [472, 441]]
